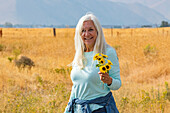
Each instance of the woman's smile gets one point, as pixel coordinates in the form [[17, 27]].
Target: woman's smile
[[88, 38]]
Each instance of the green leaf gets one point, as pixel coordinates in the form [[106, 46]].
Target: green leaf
[[97, 65]]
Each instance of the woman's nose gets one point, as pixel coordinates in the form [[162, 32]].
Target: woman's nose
[[86, 33]]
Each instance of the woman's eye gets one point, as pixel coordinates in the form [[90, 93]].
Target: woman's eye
[[90, 29], [83, 30]]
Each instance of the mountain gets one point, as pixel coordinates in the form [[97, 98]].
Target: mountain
[[146, 12], [161, 6], [148, 3], [8, 11], [68, 12]]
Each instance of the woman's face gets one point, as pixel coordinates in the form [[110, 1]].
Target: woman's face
[[89, 34]]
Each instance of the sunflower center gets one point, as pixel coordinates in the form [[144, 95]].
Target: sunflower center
[[107, 67], [104, 68]]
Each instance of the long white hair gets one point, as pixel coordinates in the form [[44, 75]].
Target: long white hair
[[100, 44]]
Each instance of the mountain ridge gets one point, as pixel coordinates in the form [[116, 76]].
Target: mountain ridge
[[66, 12]]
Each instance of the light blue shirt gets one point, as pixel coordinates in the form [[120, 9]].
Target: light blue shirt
[[87, 84]]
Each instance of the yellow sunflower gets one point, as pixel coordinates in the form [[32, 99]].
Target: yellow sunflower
[[104, 56], [108, 67], [99, 58], [96, 56], [102, 61], [103, 69], [109, 62]]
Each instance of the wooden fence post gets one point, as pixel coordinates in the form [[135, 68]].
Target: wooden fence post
[[1, 33], [111, 31], [54, 32]]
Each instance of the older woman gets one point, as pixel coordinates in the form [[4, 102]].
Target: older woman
[[88, 94]]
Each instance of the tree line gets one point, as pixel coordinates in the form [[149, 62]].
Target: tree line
[[10, 25]]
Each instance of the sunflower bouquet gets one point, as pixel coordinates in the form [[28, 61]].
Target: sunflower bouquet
[[103, 63]]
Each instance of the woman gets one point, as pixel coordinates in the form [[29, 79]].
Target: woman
[[88, 94]]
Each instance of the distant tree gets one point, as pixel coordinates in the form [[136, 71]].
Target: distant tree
[[8, 24], [117, 26], [146, 26], [164, 24]]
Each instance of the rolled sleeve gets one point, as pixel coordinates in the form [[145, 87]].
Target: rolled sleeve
[[114, 72]]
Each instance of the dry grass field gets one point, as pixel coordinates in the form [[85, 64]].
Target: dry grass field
[[144, 56]]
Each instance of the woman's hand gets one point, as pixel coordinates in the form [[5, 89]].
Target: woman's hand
[[105, 78]]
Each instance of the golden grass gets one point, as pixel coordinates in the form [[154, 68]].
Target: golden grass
[[24, 32], [143, 73]]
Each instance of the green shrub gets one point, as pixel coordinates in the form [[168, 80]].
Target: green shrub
[[10, 59], [16, 52], [150, 50], [2, 47], [63, 70], [116, 47]]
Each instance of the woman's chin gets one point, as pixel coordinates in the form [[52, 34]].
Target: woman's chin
[[89, 44]]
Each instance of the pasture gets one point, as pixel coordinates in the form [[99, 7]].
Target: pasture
[[144, 57]]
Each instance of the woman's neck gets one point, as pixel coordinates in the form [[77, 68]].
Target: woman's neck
[[88, 50]]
